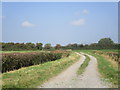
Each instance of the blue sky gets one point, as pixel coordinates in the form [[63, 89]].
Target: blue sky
[[59, 23]]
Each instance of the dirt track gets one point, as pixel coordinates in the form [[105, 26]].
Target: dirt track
[[69, 79]]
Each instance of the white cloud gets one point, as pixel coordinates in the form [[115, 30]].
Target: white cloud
[[78, 22], [27, 24], [85, 11]]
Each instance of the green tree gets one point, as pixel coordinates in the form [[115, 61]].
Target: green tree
[[39, 46], [105, 43], [29, 45], [47, 46], [58, 46]]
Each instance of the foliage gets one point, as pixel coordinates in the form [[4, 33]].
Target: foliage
[[105, 41], [47, 46], [58, 46], [11, 61], [39, 46], [33, 76], [21, 46], [113, 55]]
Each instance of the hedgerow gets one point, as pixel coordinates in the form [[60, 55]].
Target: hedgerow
[[12, 61]]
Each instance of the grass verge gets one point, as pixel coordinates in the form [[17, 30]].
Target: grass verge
[[33, 76], [107, 70], [83, 66]]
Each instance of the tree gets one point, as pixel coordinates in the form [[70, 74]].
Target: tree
[[105, 41], [58, 46], [80, 46], [47, 46], [39, 46], [29, 45]]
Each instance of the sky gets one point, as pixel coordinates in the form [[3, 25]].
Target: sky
[[59, 22]]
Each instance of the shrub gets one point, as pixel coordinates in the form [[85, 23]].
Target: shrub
[[12, 61], [113, 55]]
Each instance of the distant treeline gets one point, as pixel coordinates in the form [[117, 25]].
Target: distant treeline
[[104, 43]]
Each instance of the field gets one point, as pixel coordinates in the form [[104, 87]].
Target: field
[[36, 74], [110, 50], [59, 45]]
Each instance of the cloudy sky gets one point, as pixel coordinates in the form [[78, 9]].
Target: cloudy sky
[[60, 22]]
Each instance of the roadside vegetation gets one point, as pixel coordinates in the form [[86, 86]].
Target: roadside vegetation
[[12, 61], [31, 77], [84, 65], [107, 70]]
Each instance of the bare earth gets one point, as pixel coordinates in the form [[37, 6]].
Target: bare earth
[[69, 79]]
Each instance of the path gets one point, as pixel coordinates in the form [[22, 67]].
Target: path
[[69, 79]]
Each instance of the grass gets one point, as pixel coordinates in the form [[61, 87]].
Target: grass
[[107, 70], [83, 66], [33, 76], [114, 50], [104, 50]]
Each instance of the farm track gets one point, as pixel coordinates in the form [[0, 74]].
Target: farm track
[[69, 78]]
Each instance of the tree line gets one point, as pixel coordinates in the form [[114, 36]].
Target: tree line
[[104, 43]]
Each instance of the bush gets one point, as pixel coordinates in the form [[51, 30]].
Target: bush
[[12, 61], [113, 55]]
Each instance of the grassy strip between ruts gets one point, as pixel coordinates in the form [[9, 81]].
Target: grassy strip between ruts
[[107, 70], [83, 66], [33, 76]]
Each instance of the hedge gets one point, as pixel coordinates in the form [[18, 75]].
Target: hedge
[[13, 61], [113, 55]]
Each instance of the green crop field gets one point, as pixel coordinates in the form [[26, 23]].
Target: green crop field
[[110, 50]]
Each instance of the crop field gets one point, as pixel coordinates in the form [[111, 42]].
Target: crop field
[[110, 50]]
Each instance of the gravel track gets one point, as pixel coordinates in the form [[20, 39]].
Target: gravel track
[[69, 78]]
